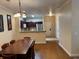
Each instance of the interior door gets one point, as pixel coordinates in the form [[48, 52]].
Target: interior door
[[50, 26]]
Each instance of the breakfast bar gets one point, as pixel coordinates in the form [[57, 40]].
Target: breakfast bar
[[38, 36]]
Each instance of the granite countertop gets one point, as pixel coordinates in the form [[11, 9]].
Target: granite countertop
[[31, 31]]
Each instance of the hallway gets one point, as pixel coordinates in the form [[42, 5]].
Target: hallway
[[51, 50]]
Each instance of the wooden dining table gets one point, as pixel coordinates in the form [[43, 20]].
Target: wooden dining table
[[21, 49]]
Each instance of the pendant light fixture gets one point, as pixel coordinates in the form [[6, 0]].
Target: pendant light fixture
[[50, 12], [21, 13]]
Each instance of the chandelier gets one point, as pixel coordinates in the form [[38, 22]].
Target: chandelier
[[21, 13]]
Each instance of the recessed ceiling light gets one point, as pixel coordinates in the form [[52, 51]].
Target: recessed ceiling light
[[50, 12]]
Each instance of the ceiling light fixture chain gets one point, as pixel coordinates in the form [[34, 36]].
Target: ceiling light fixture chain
[[20, 13], [20, 7]]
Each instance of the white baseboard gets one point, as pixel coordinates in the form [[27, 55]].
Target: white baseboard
[[40, 42], [70, 54], [65, 49], [51, 39], [75, 55]]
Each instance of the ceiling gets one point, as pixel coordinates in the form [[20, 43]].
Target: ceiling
[[33, 6]]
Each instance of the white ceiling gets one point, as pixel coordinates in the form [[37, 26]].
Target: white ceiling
[[33, 6]]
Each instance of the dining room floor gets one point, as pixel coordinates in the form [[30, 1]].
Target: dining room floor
[[50, 50]]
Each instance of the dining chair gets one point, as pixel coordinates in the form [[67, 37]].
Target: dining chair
[[4, 46], [6, 56], [12, 41]]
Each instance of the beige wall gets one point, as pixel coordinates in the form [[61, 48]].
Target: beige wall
[[65, 26], [5, 36]]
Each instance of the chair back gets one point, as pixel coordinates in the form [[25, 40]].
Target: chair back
[[12, 41], [27, 38], [4, 46]]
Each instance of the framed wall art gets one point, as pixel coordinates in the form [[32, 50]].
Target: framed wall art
[[9, 22], [1, 23]]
